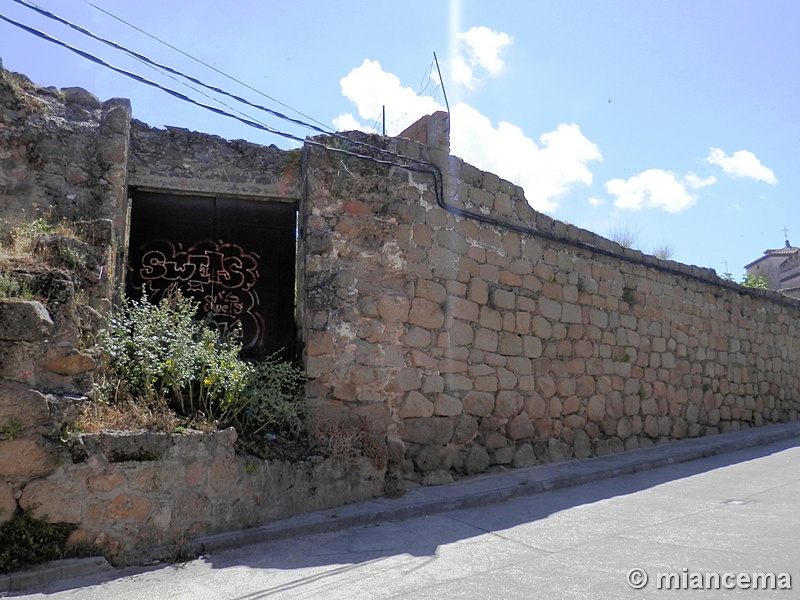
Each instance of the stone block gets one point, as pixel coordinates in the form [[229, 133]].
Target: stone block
[[523, 457], [408, 379], [415, 405], [427, 431], [545, 386], [558, 451], [478, 291], [27, 458], [319, 343], [18, 402], [426, 314], [490, 318], [394, 307], [461, 334], [8, 504], [447, 406], [429, 459], [24, 321], [503, 299], [535, 406], [571, 313], [459, 308], [510, 344], [582, 445], [549, 309], [57, 502], [431, 290], [596, 408], [508, 403], [532, 346], [520, 427], [128, 507], [478, 403], [418, 337], [72, 364], [476, 459], [503, 456], [456, 382], [486, 339], [486, 383], [570, 405], [465, 429], [433, 384], [649, 406]]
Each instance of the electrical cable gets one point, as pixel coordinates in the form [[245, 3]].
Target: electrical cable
[[425, 167], [150, 62], [169, 69], [205, 64], [140, 79]]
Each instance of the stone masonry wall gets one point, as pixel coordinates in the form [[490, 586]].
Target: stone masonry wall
[[137, 496], [181, 161], [477, 332], [64, 157]]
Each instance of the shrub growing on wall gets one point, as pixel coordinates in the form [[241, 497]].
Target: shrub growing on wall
[[160, 353]]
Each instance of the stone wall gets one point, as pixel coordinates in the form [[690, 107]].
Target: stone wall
[[477, 332], [64, 157], [139, 495], [181, 161], [436, 306]]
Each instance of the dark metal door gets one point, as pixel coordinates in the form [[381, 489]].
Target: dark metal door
[[235, 257]]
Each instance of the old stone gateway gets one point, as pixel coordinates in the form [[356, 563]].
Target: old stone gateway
[[434, 305]]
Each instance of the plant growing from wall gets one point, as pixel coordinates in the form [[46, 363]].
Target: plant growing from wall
[[12, 428], [10, 287], [160, 354], [664, 251], [28, 541]]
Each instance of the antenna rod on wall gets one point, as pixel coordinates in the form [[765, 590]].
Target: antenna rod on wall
[[441, 81]]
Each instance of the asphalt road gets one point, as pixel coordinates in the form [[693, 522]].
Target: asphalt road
[[730, 516]]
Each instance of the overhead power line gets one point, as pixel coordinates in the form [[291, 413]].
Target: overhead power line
[[197, 60], [142, 58], [408, 162], [146, 81], [167, 68]]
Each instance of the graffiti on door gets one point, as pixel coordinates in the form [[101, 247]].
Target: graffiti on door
[[220, 276]]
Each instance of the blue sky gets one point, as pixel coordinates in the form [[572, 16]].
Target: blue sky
[[675, 120]]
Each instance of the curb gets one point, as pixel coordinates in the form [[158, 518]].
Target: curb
[[481, 490], [53, 571], [470, 492]]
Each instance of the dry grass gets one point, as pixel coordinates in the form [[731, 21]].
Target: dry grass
[[18, 237], [347, 441], [125, 416]]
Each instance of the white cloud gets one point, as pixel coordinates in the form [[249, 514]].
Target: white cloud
[[483, 46], [596, 202], [695, 182], [546, 170], [371, 88], [460, 72], [742, 163], [653, 188], [347, 122]]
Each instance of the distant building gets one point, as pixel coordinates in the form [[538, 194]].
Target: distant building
[[781, 269]]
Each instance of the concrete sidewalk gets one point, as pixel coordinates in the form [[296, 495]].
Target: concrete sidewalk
[[425, 501]]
